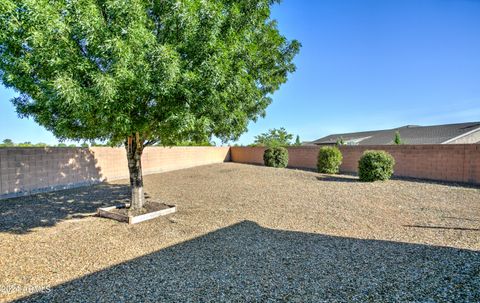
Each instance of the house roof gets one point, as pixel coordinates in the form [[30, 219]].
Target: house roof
[[410, 134]]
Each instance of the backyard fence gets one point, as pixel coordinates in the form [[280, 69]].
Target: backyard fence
[[26, 171], [447, 162]]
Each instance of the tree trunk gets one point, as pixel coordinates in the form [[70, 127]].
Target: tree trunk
[[134, 155]]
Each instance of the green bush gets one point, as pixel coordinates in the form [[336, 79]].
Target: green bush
[[375, 165], [276, 157], [329, 160]]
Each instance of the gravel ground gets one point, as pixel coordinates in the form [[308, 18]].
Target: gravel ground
[[247, 233]]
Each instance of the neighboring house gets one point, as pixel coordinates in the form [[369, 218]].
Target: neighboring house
[[460, 133]]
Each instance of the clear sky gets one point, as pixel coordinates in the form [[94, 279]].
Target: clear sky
[[363, 65]]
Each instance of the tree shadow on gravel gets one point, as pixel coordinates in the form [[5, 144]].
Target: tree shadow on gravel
[[249, 263], [20, 215]]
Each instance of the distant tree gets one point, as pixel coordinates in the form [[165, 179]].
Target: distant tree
[[274, 138], [397, 139], [340, 141], [8, 143], [72, 145], [94, 144], [135, 72], [191, 143], [25, 144], [297, 141], [84, 145]]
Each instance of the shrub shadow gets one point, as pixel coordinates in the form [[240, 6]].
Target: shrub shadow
[[21, 215], [334, 178], [437, 182], [248, 263], [443, 227]]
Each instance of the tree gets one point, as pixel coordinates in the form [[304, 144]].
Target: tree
[[297, 141], [274, 138], [25, 144], [8, 143], [191, 143], [340, 141], [61, 145], [95, 144], [135, 72], [397, 139]]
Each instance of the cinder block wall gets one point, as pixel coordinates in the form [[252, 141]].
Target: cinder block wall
[[25, 171], [456, 162]]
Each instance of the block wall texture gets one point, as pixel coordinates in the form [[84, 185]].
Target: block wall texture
[[449, 162], [25, 171]]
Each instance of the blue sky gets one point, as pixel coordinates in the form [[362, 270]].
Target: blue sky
[[363, 65]]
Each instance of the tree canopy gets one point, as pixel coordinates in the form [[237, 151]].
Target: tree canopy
[[7, 143], [10, 143], [139, 72], [274, 138], [169, 70]]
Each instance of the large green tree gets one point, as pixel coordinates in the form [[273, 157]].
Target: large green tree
[[138, 72]]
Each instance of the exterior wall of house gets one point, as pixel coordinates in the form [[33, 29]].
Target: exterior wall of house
[[456, 163], [26, 171]]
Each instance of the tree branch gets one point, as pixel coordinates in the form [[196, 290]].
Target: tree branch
[[150, 142]]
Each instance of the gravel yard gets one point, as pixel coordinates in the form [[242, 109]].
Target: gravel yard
[[246, 233]]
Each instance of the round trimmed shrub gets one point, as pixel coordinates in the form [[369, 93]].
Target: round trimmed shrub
[[375, 165], [329, 160], [276, 157]]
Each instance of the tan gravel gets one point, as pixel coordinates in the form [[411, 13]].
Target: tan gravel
[[247, 233]]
